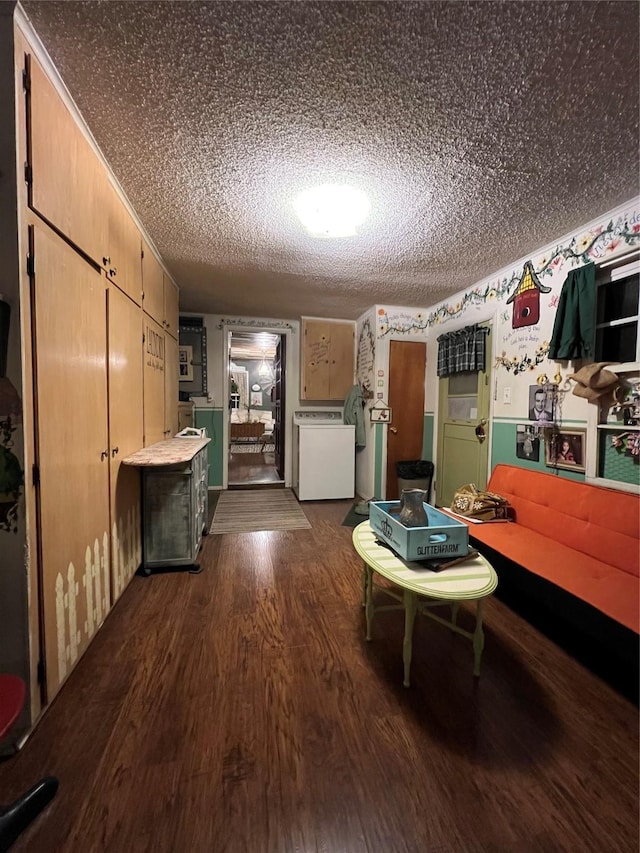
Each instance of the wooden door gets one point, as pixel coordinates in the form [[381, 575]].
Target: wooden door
[[125, 436], [152, 285], [407, 363], [279, 399], [327, 359], [463, 403], [154, 382], [67, 181], [70, 381], [122, 259], [170, 386], [170, 307], [342, 360], [314, 367]]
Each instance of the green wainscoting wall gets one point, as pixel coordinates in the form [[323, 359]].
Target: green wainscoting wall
[[211, 419], [503, 450], [427, 437], [379, 461]]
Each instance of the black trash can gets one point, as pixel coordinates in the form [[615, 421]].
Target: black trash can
[[415, 474]]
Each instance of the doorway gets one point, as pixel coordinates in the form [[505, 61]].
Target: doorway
[[256, 377], [463, 429], [407, 364]]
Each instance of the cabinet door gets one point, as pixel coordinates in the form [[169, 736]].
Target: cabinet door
[[342, 358], [314, 374], [152, 285], [170, 386], [125, 436], [122, 258], [67, 180], [327, 364], [170, 307], [70, 346], [153, 378]]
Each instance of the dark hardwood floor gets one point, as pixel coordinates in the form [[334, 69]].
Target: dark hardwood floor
[[240, 710], [247, 470]]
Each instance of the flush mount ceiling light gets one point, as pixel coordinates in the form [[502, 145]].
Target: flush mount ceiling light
[[332, 210]]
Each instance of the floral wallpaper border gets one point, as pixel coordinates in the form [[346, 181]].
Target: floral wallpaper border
[[589, 246]]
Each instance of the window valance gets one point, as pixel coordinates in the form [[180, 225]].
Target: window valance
[[464, 349]]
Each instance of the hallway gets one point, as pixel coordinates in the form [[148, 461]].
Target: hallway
[[247, 470]]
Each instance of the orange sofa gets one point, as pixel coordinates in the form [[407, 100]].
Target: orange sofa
[[573, 551]]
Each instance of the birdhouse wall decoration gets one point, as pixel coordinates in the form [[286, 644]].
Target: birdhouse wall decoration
[[526, 298]]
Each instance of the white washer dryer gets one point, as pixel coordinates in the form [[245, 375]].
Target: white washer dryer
[[324, 458]]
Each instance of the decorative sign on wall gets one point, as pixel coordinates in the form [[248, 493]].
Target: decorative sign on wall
[[380, 413], [526, 298]]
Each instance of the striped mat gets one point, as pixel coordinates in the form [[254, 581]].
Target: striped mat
[[258, 509]]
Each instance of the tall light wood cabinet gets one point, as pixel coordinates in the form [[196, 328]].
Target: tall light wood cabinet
[[104, 374], [154, 382], [170, 308], [70, 188], [152, 285], [327, 364], [72, 450], [67, 183], [125, 436], [170, 386], [160, 301]]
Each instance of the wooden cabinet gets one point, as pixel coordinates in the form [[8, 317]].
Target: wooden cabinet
[[160, 295], [94, 389], [154, 382], [72, 450], [327, 364], [125, 437], [67, 183], [175, 500], [152, 285], [170, 386], [69, 187], [170, 307], [123, 248]]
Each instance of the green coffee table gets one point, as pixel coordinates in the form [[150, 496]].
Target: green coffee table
[[422, 591]]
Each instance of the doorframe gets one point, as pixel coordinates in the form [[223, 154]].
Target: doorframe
[[227, 330], [491, 321]]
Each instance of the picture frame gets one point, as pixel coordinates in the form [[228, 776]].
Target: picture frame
[[542, 403], [566, 448], [380, 415], [185, 364], [528, 442]]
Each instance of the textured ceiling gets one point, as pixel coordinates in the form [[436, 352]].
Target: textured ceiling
[[480, 130]]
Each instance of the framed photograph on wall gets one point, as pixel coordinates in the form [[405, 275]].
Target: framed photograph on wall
[[566, 449], [185, 364], [542, 403], [528, 442]]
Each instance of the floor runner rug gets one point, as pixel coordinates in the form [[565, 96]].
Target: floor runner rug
[[258, 509]]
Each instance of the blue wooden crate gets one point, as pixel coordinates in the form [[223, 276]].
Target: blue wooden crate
[[443, 537]]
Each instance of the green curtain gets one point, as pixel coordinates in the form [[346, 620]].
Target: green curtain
[[574, 327]]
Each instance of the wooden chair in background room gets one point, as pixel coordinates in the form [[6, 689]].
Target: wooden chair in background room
[[16, 817]]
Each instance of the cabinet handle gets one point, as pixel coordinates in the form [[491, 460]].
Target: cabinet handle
[[114, 451], [106, 261], [113, 272], [104, 455]]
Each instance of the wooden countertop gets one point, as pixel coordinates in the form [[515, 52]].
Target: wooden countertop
[[174, 451]]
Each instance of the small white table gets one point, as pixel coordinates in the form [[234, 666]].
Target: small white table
[[423, 590]]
